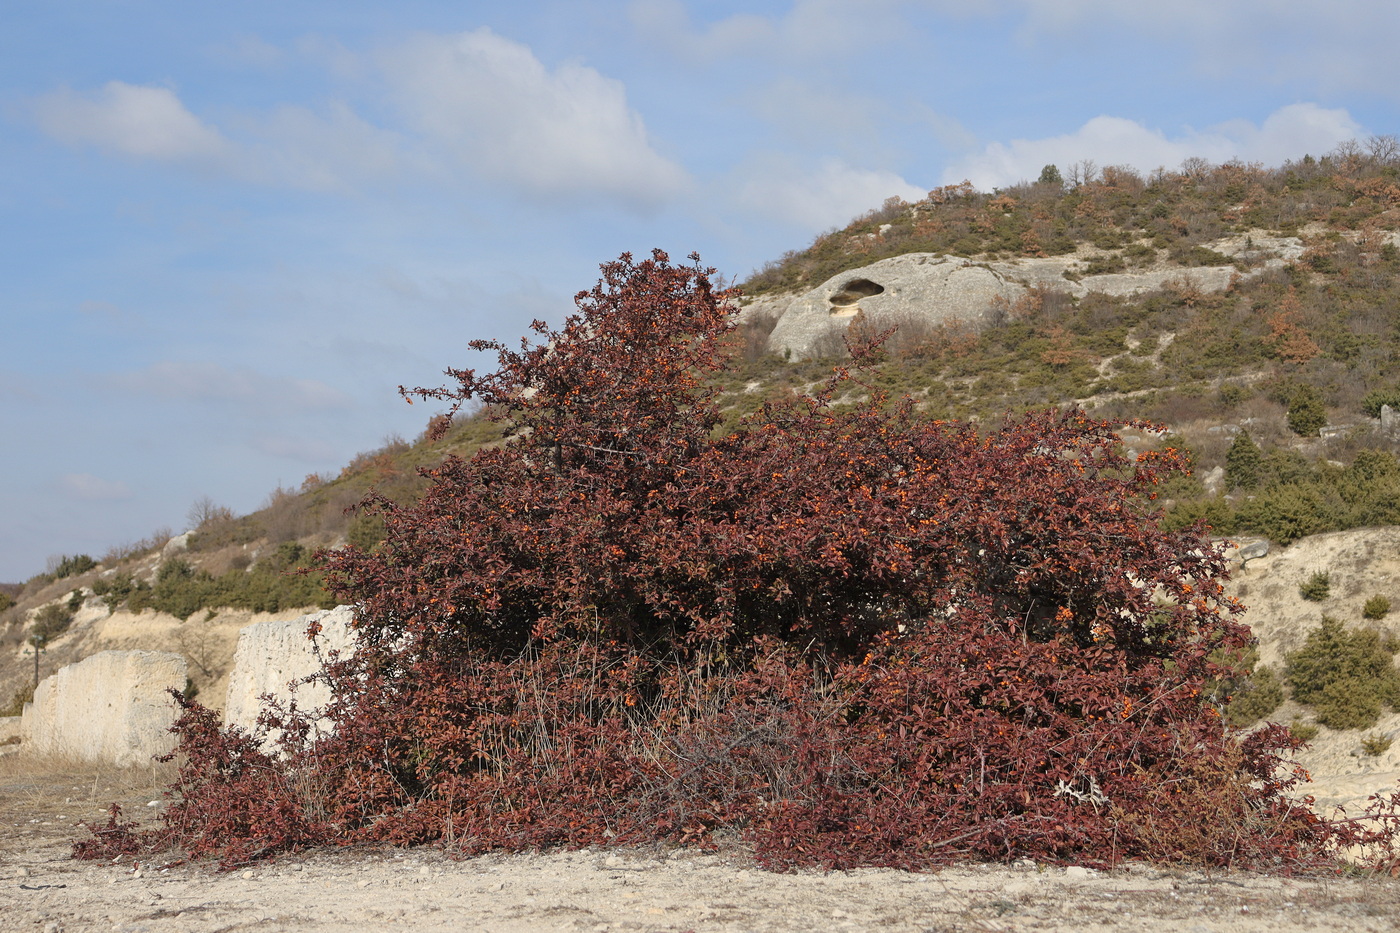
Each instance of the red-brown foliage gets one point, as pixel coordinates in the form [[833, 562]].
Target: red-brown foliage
[[846, 634]]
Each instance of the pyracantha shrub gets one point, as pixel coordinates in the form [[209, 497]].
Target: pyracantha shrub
[[844, 633], [232, 799]]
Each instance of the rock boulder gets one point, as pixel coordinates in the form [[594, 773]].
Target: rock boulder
[[113, 707], [273, 655]]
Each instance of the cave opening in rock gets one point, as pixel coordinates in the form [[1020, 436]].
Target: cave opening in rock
[[845, 300]]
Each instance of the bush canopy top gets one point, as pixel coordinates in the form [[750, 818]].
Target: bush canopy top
[[614, 511]]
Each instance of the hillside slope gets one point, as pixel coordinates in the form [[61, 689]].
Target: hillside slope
[[1226, 302]]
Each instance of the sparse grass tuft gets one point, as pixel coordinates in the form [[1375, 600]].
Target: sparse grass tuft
[[1376, 745]]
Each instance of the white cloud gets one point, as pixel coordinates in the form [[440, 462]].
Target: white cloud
[[822, 117], [498, 109], [1346, 45], [667, 23], [1238, 21], [212, 382], [470, 104], [323, 152], [330, 54], [134, 120], [810, 29], [288, 147], [93, 488], [837, 27], [948, 131], [829, 195], [1285, 134], [1290, 130]]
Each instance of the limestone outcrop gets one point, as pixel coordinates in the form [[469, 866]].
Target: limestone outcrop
[[176, 545], [918, 287], [929, 290], [113, 707], [275, 654]]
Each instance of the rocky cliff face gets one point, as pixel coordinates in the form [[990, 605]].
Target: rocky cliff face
[[921, 291]]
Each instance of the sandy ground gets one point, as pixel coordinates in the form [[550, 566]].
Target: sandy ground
[[1360, 563], [43, 890]]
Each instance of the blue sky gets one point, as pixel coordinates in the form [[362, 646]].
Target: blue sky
[[228, 232]]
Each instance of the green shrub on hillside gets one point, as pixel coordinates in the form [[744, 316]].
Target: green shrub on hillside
[[1231, 394], [1254, 698], [1303, 731], [1372, 466], [117, 588], [278, 582], [1286, 513], [1373, 401], [366, 530], [1050, 175], [1377, 607], [138, 598], [1317, 587], [1283, 467], [1199, 256], [50, 622], [72, 566], [1244, 463], [1349, 704], [180, 589], [1294, 499], [1214, 512], [1347, 676], [1306, 412]]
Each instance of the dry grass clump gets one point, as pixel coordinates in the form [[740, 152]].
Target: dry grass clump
[[40, 793]]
